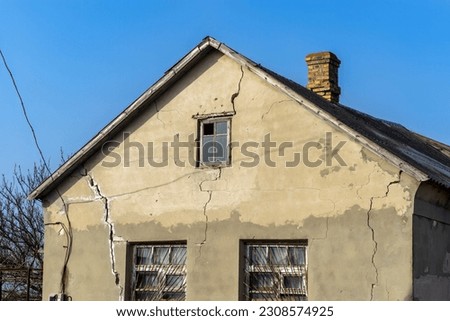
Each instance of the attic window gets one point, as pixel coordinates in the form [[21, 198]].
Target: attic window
[[214, 141]]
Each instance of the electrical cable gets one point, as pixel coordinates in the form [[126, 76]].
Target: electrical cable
[[25, 112], [68, 228]]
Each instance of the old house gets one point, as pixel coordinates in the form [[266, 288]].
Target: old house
[[227, 181]]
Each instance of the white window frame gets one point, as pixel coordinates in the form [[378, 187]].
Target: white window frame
[[214, 163], [277, 291], [160, 291]]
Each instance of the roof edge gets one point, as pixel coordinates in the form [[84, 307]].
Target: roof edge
[[179, 68], [374, 147], [83, 153]]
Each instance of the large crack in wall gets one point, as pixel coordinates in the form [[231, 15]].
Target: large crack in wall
[[205, 207], [372, 230], [219, 172], [236, 94], [111, 231]]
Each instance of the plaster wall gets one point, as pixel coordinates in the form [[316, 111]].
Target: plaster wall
[[356, 216]]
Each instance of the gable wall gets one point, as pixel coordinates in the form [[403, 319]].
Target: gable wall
[[355, 217]]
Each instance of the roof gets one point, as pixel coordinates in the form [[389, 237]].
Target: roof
[[424, 158], [430, 157]]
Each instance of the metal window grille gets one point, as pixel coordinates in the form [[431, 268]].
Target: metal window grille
[[159, 272], [275, 271]]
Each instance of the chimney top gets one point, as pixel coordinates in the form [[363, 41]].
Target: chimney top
[[323, 75]]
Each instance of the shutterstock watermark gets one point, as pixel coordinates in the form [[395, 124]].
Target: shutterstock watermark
[[210, 152]]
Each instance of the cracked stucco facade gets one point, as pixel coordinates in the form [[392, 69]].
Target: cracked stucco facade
[[357, 218]]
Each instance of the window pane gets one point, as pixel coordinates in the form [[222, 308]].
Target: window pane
[[178, 255], [297, 255], [209, 149], [260, 281], [146, 280], [292, 282], [214, 141], [174, 281], [258, 255], [161, 255], [145, 296], [173, 296], [278, 255], [221, 127], [259, 297], [143, 255], [208, 129], [292, 297], [222, 148]]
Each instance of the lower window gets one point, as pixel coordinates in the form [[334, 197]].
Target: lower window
[[158, 272], [275, 270]]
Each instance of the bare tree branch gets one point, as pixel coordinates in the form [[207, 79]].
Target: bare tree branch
[[21, 235]]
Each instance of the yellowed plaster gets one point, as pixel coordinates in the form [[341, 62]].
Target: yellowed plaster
[[345, 211]]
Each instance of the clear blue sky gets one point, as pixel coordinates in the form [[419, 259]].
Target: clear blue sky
[[80, 63]]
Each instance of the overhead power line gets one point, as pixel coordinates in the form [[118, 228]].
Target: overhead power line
[[68, 228], [25, 113]]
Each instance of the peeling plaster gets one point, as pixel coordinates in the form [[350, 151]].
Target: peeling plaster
[[199, 205], [327, 222]]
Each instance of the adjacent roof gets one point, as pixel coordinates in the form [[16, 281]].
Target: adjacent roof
[[424, 158]]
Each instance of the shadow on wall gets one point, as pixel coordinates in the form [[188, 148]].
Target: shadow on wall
[[431, 243]]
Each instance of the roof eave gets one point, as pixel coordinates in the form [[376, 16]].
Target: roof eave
[[401, 164], [109, 130], [180, 68]]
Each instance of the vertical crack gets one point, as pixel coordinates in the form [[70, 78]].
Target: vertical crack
[[375, 243], [157, 114], [388, 293], [205, 207], [375, 249], [236, 94], [219, 173], [111, 233], [206, 217]]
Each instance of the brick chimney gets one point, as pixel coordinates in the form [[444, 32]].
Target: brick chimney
[[323, 75]]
